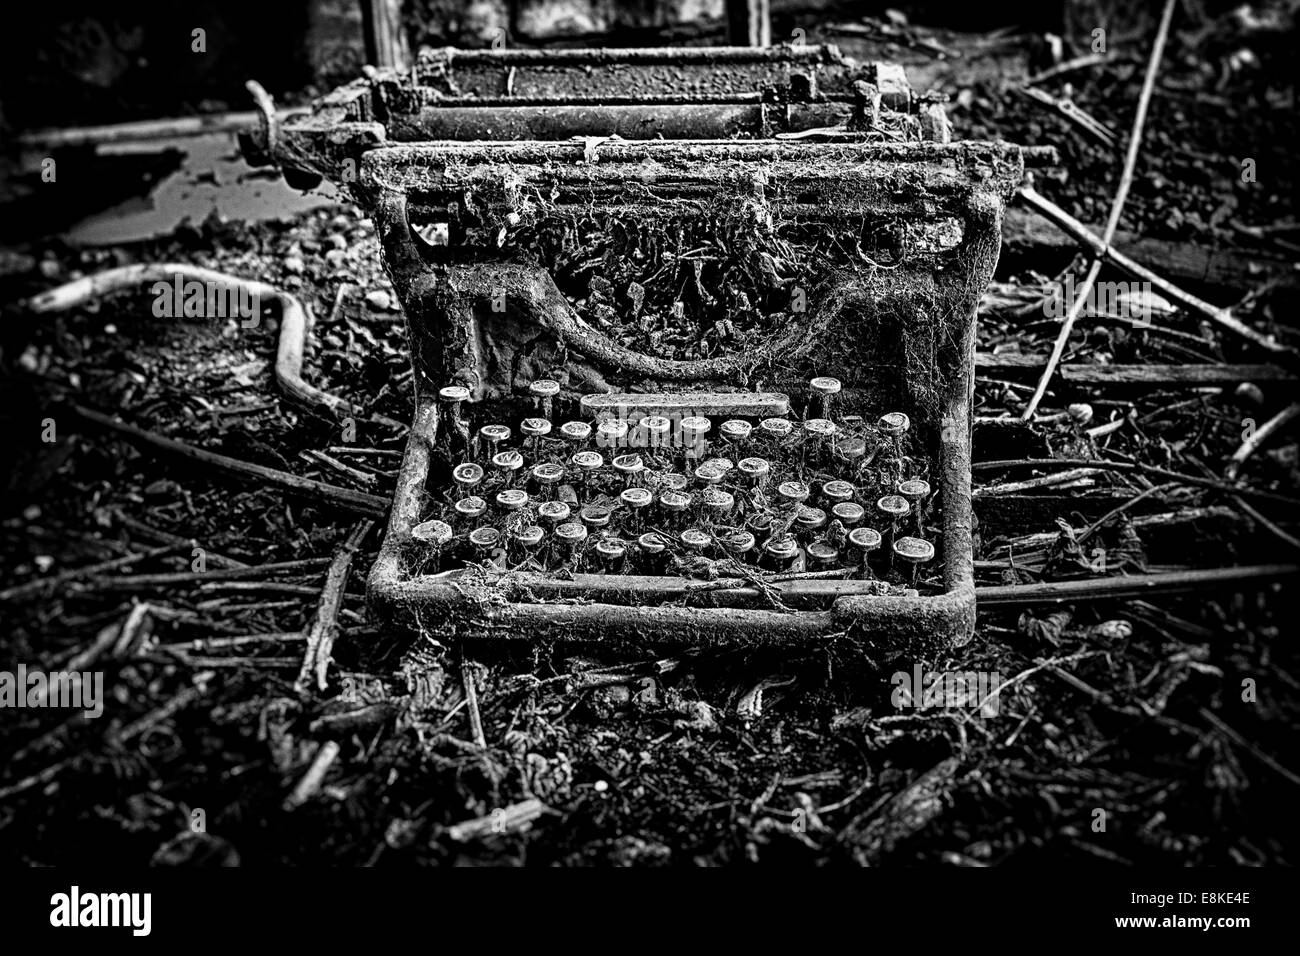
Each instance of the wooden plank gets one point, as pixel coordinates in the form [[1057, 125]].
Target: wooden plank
[[1189, 376], [632, 406]]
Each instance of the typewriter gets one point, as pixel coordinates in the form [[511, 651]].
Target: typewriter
[[683, 376]]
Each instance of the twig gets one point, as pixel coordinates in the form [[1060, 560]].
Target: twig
[[467, 674], [1116, 209], [1045, 481], [1094, 243], [1127, 586], [40, 586], [324, 628], [512, 819], [357, 501], [1246, 745], [1133, 466], [311, 781], [1258, 437]]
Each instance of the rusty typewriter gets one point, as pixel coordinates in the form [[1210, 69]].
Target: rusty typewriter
[[692, 334]]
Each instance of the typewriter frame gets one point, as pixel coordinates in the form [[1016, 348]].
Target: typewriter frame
[[441, 291]]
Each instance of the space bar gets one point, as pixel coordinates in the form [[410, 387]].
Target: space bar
[[634, 405]]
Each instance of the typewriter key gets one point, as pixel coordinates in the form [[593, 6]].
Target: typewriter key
[[780, 553], [755, 471], [915, 490], [587, 463], [635, 500], [471, 507], [793, 492], [484, 540], [837, 491], [893, 508], [864, 541], [508, 464], [547, 475], [595, 516], [630, 467], [672, 481], [512, 499], [554, 512], [852, 450], [810, 519], [717, 503], [453, 397], [655, 432], [435, 535], [709, 475], [895, 424], [695, 540], [822, 555], [825, 389], [693, 431], [568, 537], [536, 429], [915, 551], [494, 435], [735, 432], [611, 433], [529, 536], [611, 552], [738, 543], [848, 513], [467, 475], [544, 391], [674, 503], [575, 432], [775, 429]]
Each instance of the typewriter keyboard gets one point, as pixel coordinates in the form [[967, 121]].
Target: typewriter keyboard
[[662, 484]]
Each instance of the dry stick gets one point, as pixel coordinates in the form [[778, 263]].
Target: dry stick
[[293, 316], [1127, 466], [1258, 437], [357, 501], [43, 585], [144, 530], [1253, 515], [1046, 481], [1115, 512], [1246, 745], [133, 581], [1127, 586], [324, 628], [471, 700], [311, 781], [1081, 233], [1117, 207]]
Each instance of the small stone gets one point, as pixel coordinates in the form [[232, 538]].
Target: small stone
[[336, 258], [294, 264], [338, 241], [379, 300]]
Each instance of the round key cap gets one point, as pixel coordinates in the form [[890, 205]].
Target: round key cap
[[530, 536], [544, 388], [571, 533], [554, 512], [782, 548], [595, 516], [433, 533], [737, 543], [914, 550], [893, 507], [823, 554], [865, 539], [848, 513], [508, 461], [471, 507], [837, 491], [810, 519], [709, 475], [694, 539], [635, 498], [495, 434], [512, 499], [611, 433], [656, 431], [852, 449], [793, 492], [588, 461], [651, 543], [693, 431], [575, 431], [535, 427], [754, 469], [467, 475], [895, 423], [825, 385], [484, 539], [672, 481], [719, 502], [547, 473], [914, 489], [454, 394], [629, 466], [819, 428], [611, 550], [775, 427], [723, 465], [735, 429], [674, 501]]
